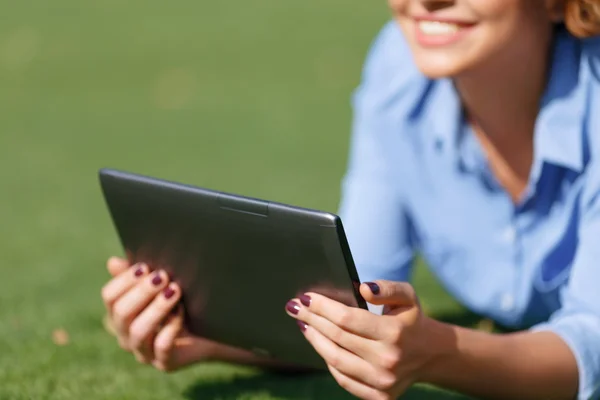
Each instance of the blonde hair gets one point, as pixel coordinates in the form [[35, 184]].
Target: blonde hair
[[582, 17]]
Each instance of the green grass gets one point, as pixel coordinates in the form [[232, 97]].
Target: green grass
[[249, 96]]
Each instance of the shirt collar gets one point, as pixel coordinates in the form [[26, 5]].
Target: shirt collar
[[446, 106], [559, 129], [449, 130], [558, 136]]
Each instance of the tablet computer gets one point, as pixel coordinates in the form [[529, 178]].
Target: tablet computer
[[237, 259]]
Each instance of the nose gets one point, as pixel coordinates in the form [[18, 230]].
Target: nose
[[434, 5]]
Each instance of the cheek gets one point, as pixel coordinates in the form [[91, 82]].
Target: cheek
[[513, 14], [510, 25], [486, 40], [398, 5], [502, 20], [504, 27], [495, 9]]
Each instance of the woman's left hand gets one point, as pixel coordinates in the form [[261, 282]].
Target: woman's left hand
[[371, 356]]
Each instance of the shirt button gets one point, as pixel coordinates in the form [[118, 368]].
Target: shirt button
[[507, 302], [509, 235]]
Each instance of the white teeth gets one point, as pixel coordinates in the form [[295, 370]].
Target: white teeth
[[437, 28]]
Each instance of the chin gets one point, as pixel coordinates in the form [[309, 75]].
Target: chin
[[439, 67]]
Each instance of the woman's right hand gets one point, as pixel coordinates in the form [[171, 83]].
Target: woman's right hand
[[144, 313]]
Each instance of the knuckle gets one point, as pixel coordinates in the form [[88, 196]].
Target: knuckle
[[405, 287], [337, 335], [137, 336], [162, 349], [344, 318], [120, 313], [386, 381], [396, 333], [390, 360], [124, 345], [386, 290], [406, 290], [106, 294], [413, 316], [334, 361]]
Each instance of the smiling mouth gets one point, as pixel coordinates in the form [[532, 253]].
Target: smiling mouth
[[435, 28], [435, 32]]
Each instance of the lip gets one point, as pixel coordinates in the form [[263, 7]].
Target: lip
[[448, 20], [442, 39]]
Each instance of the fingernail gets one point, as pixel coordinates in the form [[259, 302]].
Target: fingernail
[[157, 280], [374, 287], [168, 292], [139, 271], [302, 325], [292, 307], [305, 300]]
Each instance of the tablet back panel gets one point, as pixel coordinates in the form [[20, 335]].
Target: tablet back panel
[[237, 259]]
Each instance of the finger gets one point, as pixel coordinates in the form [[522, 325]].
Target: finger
[[116, 265], [397, 294], [108, 325], [144, 357], [351, 319], [128, 306], [150, 319], [344, 361], [359, 345], [120, 284], [355, 387], [165, 342]]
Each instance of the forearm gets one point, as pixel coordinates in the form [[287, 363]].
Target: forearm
[[519, 366]]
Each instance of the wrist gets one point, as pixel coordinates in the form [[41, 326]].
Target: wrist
[[440, 343]]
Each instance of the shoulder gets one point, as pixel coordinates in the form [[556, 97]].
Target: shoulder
[[391, 88], [388, 53]]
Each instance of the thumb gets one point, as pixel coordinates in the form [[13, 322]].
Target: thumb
[[389, 293], [116, 265]]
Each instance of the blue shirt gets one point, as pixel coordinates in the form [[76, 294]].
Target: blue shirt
[[418, 181]]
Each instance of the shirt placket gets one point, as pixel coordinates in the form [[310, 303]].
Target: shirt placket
[[473, 160]]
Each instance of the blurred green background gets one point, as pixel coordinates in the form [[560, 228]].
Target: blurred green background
[[251, 97]]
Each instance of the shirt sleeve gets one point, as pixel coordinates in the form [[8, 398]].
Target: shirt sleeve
[[578, 320], [372, 207]]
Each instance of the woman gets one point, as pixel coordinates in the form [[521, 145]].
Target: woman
[[476, 142]]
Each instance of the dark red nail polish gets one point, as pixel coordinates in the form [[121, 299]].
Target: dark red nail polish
[[157, 280], [305, 300], [302, 325], [168, 292], [292, 307], [374, 287], [139, 272]]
